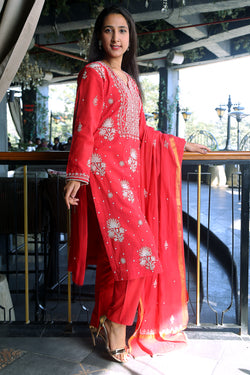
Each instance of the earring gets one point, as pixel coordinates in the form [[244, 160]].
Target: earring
[[128, 49], [100, 44]]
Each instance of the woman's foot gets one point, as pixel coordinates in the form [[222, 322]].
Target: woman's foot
[[115, 339]]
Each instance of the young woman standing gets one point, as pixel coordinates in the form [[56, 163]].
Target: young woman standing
[[124, 181]]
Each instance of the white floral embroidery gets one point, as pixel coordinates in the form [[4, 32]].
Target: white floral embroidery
[[95, 101], [97, 165], [132, 161], [166, 144], [145, 193], [84, 76], [115, 231], [79, 128], [154, 142], [148, 331], [110, 195], [77, 175], [147, 260], [126, 191], [140, 222], [107, 130], [155, 283], [172, 319], [128, 116], [98, 68], [172, 330], [111, 101], [166, 245], [123, 260]]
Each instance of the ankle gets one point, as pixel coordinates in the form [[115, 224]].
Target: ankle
[[116, 328]]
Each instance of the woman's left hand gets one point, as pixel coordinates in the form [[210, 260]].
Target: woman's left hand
[[195, 147]]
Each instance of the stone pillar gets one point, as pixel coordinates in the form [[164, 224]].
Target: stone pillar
[[3, 170], [173, 96], [168, 99], [163, 123], [4, 133], [42, 113], [29, 114]]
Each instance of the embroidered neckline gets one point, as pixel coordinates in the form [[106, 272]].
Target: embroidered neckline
[[116, 75]]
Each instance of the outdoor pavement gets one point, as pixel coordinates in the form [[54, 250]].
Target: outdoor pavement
[[206, 353]]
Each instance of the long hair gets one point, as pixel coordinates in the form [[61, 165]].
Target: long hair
[[129, 63]]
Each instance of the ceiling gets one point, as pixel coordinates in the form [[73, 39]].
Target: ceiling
[[203, 31]]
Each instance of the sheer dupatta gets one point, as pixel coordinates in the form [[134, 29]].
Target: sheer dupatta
[[162, 313]]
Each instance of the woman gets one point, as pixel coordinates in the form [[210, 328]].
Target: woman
[[118, 218]]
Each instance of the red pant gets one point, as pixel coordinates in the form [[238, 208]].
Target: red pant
[[118, 300]]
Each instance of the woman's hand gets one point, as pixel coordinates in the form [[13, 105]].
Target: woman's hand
[[195, 147], [70, 190]]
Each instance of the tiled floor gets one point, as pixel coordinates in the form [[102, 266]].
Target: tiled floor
[[206, 353]]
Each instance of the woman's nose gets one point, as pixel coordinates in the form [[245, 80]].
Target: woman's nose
[[115, 35]]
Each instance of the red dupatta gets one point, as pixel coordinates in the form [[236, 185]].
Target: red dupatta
[[162, 313]]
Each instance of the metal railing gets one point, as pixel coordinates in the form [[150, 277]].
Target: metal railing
[[197, 225]]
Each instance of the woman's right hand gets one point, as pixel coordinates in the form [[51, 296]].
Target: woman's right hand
[[70, 191]]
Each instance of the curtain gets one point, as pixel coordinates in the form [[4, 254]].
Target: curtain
[[16, 114], [18, 23]]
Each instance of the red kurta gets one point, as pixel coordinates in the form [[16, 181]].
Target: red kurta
[[105, 152], [134, 174]]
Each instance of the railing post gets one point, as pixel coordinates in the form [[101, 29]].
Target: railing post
[[244, 250], [198, 246], [26, 250], [69, 274]]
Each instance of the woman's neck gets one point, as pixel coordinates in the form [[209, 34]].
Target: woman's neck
[[116, 68], [114, 64]]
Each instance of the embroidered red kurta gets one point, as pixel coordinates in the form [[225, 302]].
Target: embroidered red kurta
[[134, 173], [105, 153]]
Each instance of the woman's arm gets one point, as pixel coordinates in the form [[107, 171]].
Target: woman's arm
[[87, 114], [70, 191], [195, 147]]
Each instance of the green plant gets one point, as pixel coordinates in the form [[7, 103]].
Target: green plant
[[194, 55], [42, 116], [148, 41], [222, 15], [242, 43]]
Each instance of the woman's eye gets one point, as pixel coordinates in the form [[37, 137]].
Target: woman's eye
[[107, 30], [123, 31]]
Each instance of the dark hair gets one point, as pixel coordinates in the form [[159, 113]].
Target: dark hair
[[96, 53]]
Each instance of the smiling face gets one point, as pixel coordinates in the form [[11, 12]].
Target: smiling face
[[115, 36]]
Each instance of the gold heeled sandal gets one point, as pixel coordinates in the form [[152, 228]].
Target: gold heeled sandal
[[93, 332], [115, 352]]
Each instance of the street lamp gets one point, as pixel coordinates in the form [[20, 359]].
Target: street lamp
[[220, 112], [186, 114], [238, 115]]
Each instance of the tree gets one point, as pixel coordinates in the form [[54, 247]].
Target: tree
[[150, 86], [62, 101]]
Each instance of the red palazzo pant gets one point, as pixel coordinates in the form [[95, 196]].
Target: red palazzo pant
[[118, 300]]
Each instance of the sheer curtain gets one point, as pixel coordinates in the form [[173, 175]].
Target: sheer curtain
[[16, 114]]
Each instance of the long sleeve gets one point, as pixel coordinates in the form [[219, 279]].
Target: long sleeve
[[87, 115]]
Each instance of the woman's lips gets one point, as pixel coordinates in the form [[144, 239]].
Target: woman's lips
[[115, 47]]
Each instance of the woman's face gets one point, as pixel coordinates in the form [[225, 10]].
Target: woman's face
[[115, 36]]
